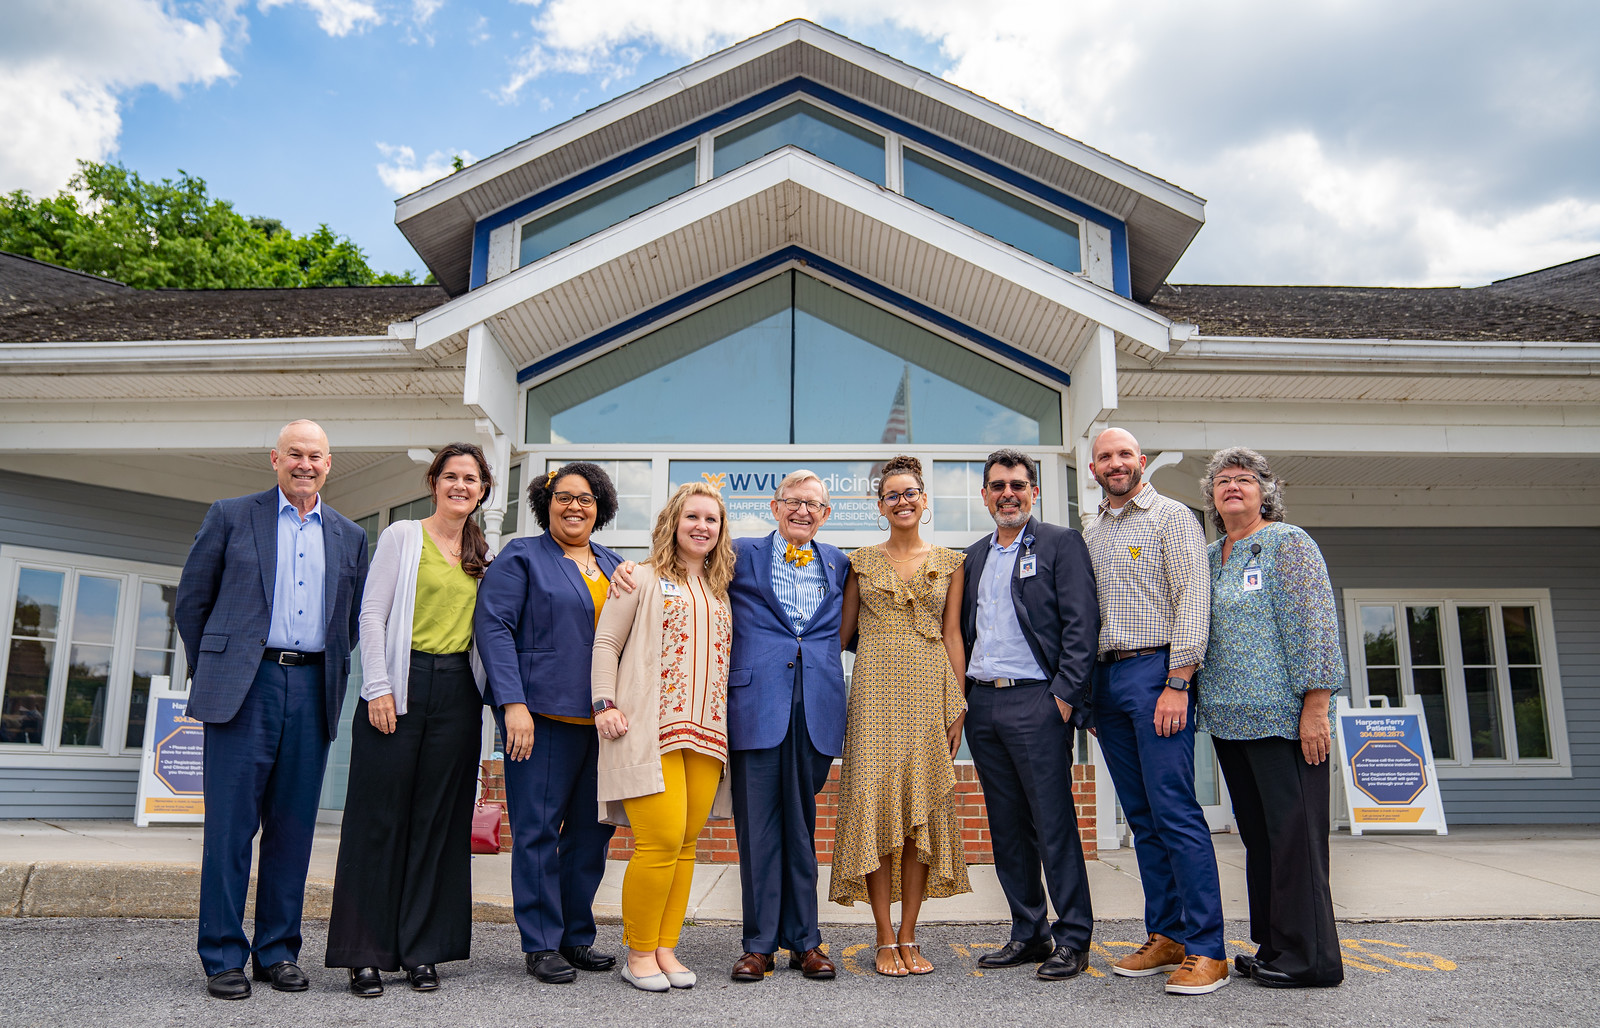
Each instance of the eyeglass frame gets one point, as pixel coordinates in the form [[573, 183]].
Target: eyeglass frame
[[566, 499], [794, 503], [912, 493], [1247, 478]]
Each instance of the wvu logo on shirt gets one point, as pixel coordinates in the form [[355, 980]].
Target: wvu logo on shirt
[[1133, 551]]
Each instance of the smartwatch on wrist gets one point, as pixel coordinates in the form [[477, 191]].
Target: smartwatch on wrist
[[601, 706], [1180, 684]]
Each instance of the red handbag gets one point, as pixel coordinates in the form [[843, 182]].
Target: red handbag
[[486, 817]]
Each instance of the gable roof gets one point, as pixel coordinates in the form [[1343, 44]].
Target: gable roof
[[28, 284], [439, 219]]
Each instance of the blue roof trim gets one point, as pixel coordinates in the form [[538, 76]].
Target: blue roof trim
[[1121, 275], [778, 258]]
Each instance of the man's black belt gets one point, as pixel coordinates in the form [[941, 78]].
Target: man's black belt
[[1112, 656], [1008, 683], [290, 658]]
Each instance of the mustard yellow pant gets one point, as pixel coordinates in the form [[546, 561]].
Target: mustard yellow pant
[[655, 889]]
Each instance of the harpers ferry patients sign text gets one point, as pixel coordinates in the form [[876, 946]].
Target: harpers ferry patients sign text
[[1389, 778]]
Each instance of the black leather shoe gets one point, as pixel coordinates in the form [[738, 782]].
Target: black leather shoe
[[366, 982], [587, 958], [229, 984], [1243, 963], [1063, 963], [1014, 953], [285, 975], [1261, 974], [550, 967], [423, 977]]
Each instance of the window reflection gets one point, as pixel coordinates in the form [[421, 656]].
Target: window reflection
[[992, 210], [810, 128], [606, 207]]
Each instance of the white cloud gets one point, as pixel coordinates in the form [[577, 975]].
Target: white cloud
[[423, 10], [401, 174], [64, 67], [336, 17]]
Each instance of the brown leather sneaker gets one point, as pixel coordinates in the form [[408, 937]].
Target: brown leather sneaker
[[813, 963], [1158, 955], [752, 967], [1197, 976]]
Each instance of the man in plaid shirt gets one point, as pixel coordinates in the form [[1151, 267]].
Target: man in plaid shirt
[[1150, 567]]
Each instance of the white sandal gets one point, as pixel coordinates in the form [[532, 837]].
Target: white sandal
[[891, 974]]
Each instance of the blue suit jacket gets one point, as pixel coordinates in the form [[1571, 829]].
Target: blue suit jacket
[[534, 626], [224, 605], [1058, 609], [761, 675]]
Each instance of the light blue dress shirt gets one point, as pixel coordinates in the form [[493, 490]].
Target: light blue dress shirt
[[1000, 649], [299, 611], [799, 589]]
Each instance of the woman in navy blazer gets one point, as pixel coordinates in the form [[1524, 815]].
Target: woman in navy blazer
[[534, 627]]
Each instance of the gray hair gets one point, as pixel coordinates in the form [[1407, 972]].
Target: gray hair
[[798, 476], [1272, 505]]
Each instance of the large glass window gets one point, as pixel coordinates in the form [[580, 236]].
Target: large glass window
[[953, 493], [606, 207], [1479, 665], [632, 481], [793, 360], [990, 209], [810, 128]]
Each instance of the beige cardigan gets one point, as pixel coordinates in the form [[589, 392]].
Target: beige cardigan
[[627, 671]]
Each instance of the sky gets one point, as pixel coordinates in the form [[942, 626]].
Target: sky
[[1355, 142]]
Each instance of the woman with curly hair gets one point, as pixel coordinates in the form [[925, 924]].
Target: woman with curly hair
[[660, 692], [535, 623], [897, 836]]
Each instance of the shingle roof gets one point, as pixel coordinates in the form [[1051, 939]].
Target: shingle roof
[[1559, 304]]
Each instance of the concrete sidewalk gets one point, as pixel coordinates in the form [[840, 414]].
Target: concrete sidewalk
[[112, 869]]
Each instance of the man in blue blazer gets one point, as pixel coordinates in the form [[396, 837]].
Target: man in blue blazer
[[786, 713], [1030, 619], [267, 609]]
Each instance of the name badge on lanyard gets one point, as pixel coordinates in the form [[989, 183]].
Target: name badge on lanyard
[[1028, 566], [672, 588], [1251, 580]]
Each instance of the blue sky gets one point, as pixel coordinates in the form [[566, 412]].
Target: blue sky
[[1356, 142]]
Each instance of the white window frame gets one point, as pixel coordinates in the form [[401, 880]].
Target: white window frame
[[1465, 766], [111, 754]]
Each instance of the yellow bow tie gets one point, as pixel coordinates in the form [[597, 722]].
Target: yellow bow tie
[[797, 556]]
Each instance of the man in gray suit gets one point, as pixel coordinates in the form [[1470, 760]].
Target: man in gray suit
[[267, 610]]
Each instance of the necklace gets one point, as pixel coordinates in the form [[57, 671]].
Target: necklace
[[902, 560], [591, 571]]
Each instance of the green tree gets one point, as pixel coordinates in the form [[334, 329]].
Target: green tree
[[172, 234]]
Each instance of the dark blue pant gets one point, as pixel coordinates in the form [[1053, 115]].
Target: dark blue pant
[[263, 770], [1154, 776], [558, 844], [1023, 754], [775, 820]]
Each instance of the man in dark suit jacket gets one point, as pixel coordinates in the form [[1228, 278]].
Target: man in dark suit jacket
[[786, 712], [267, 610], [1030, 619]]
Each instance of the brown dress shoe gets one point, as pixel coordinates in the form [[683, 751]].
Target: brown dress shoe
[[813, 963], [1159, 954], [752, 967], [1197, 976]]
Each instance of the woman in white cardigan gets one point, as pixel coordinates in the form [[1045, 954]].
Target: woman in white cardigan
[[402, 893], [660, 690]]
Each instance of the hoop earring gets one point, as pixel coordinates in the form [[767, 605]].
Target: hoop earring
[[927, 516], [885, 526]]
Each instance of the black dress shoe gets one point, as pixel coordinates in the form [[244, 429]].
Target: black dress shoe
[[1014, 953], [285, 975], [1261, 974], [366, 982], [1243, 963], [587, 958], [423, 977], [229, 984], [1064, 963], [550, 967]]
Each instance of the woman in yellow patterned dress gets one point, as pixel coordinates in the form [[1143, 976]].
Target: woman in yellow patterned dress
[[897, 837]]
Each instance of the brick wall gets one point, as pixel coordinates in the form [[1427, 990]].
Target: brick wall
[[717, 845]]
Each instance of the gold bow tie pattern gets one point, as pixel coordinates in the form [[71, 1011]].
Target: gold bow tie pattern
[[797, 557]]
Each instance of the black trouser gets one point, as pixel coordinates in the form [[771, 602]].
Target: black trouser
[[402, 894], [1281, 805]]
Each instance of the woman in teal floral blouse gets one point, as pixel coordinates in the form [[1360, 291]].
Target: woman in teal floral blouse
[[1270, 669]]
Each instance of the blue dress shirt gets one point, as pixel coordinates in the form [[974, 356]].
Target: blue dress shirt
[[1000, 649], [299, 614], [799, 589]]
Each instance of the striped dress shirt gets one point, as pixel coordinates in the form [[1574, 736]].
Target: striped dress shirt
[[1150, 566], [799, 589]]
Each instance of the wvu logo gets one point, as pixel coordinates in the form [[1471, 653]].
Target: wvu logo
[[716, 481], [1133, 551]]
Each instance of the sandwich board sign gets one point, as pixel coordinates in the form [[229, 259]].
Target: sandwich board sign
[[172, 769], [1390, 783]]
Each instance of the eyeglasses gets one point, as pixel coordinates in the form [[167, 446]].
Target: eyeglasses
[[1242, 480], [584, 500], [814, 506], [1017, 486], [909, 495]]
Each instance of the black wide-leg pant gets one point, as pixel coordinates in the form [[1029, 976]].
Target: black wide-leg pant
[[1281, 805], [402, 894]]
